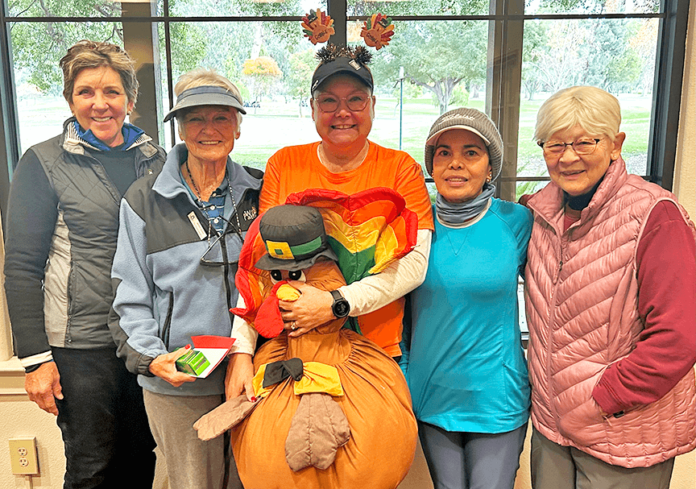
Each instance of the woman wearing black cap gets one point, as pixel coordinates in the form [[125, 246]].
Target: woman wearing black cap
[[178, 245], [465, 367], [345, 160]]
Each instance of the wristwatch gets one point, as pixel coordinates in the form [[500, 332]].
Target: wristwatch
[[340, 306]]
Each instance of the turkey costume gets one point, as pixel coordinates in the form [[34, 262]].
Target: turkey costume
[[333, 409]]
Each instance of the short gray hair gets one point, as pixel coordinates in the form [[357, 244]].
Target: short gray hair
[[202, 77], [598, 112]]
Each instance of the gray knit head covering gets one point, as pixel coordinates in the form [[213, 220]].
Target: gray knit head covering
[[471, 120]]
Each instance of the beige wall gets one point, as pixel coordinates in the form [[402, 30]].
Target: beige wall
[[685, 188], [19, 417], [685, 168]]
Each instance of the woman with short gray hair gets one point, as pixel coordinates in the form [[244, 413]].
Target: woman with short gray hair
[[178, 246], [609, 291], [201, 77]]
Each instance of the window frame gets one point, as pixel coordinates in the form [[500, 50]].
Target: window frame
[[503, 87]]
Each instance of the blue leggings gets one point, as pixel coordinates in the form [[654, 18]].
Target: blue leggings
[[472, 460]]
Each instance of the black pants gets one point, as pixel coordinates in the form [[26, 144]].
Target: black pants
[[107, 439]]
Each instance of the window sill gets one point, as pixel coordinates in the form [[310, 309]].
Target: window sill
[[12, 381]]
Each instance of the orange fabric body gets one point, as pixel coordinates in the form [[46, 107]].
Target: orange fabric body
[[297, 168], [376, 402]]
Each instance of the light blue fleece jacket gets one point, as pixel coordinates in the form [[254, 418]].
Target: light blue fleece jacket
[[164, 296]]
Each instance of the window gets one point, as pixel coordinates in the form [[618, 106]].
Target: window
[[501, 56]]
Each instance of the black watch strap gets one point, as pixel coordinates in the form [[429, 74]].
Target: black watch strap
[[340, 306]]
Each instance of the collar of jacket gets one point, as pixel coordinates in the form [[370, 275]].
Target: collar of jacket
[[548, 202], [72, 143], [169, 185]]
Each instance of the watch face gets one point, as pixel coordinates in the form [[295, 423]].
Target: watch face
[[341, 308]]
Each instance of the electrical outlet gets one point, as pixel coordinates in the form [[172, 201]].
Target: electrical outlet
[[23, 456]]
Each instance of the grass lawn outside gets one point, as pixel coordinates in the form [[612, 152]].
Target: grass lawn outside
[[277, 124]]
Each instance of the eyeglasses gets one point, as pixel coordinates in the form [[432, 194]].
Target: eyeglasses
[[330, 103], [583, 146], [215, 256]]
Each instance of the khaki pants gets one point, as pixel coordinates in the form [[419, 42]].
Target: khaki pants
[[191, 463], [558, 467]]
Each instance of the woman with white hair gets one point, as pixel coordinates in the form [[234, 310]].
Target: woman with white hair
[[178, 245], [609, 290]]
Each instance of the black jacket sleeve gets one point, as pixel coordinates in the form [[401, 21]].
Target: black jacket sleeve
[[31, 219]]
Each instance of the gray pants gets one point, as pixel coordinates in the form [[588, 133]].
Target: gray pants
[[471, 460], [191, 463], [558, 467]]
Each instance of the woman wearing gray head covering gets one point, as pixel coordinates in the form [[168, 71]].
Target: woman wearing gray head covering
[[178, 245], [464, 364]]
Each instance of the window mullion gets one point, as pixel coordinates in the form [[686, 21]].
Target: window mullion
[[337, 10], [669, 72], [503, 85], [141, 44], [9, 127]]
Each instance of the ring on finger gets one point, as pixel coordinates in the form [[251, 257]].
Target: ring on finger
[[293, 326]]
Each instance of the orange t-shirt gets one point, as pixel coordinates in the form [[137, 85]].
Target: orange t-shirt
[[297, 168]]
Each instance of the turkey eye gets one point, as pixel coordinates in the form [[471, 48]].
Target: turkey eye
[[297, 275], [276, 275]]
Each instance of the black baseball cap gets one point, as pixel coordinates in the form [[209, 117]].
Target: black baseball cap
[[342, 65]]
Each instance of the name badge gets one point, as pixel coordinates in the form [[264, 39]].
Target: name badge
[[197, 225]]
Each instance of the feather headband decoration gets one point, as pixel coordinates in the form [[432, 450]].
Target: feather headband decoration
[[377, 31], [331, 52], [335, 59], [317, 26]]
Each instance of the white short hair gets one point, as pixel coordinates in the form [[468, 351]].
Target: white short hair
[[595, 110], [202, 77]]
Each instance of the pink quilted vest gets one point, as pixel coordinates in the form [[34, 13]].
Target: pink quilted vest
[[581, 295]]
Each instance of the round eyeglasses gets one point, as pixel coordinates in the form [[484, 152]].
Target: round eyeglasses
[[330, 103], [582, 146]]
